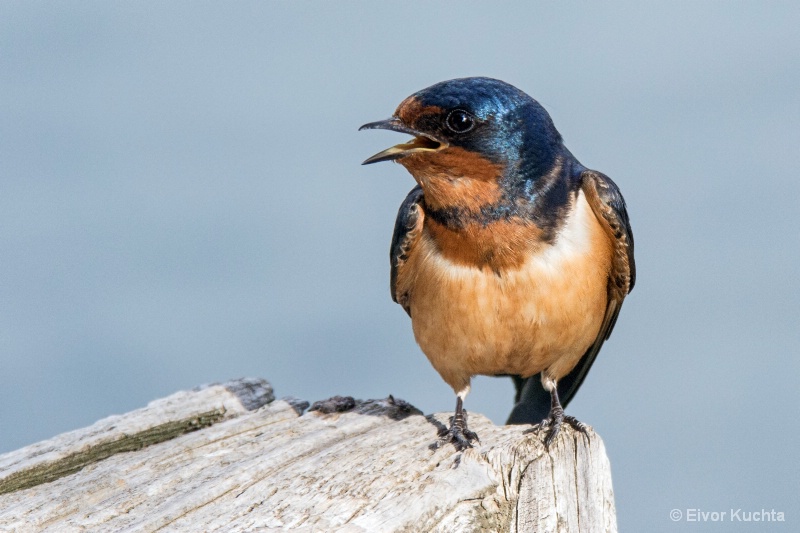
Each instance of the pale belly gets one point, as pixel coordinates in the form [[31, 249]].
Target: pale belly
[[541, 316]]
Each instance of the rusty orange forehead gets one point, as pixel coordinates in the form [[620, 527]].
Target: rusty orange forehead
[[411, 109]]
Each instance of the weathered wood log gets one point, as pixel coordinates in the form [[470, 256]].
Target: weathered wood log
[[231, 458]]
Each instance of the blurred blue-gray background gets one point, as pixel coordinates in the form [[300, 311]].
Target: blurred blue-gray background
[[181, 202]]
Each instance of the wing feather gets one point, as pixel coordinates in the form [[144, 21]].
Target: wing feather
[[608, 205], [407, 229]]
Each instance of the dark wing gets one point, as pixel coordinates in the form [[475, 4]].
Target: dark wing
[[603, 195], [608, 205], [406, 232]]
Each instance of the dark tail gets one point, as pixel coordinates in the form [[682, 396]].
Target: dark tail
[[532, 402]]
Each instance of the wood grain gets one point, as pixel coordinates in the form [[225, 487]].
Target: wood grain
[[370, 469]]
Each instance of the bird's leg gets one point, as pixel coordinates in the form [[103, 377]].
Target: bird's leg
[[458, 433], [557, 416]]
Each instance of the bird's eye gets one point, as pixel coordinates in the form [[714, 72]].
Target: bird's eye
[[460, 121]]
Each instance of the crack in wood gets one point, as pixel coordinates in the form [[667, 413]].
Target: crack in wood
[[50, 471]]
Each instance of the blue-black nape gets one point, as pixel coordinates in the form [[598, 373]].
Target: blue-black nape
[[512, 126]]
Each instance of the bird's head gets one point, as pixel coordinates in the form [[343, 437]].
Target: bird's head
[[470, 136]]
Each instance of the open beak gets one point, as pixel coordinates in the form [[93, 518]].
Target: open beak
[[422, 142]]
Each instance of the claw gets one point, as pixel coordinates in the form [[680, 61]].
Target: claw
[[557, 418], [459, 435]]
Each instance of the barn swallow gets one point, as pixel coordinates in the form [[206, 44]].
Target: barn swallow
[[510, 257]]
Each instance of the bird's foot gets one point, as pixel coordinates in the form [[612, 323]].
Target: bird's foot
[[459, 435], [555, 420]]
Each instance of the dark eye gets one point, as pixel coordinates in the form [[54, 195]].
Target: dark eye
[[460, 121]]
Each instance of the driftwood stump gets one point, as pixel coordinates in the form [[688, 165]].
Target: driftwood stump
[[232, 458]]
